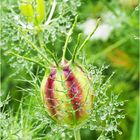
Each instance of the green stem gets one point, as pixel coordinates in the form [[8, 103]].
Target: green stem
[[68, 38], [41, 43], [36, 48], [89, 36], [77, 134], [76, 47], [53, 56], [28, 59], [51, 13]]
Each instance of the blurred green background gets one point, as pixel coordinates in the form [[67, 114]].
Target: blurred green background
[[115, 43]]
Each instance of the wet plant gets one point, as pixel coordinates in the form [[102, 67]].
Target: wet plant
[[74, 93]]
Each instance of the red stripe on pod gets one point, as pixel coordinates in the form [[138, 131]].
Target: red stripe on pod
[[74, 91], [49, 92]]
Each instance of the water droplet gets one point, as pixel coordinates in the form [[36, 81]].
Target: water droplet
[[116, 104], [120, 133], [121, 103], [137, 8], [1, 104], [13, 65], [118, 116], [70, 39], [93, 127], [65, 0], [102, 137], [20, 60], [78, 4], [103, 117], [68, 25], [63, 135], [136, 37], [16, 48], [15, 38], [110, 128]]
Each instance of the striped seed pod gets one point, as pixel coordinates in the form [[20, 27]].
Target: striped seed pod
[[67, 95]]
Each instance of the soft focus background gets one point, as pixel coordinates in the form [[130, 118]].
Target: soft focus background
[[115, 43]]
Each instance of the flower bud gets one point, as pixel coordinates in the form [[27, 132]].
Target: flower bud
[[34, 13], [67, 95], [40, 11], [26, 9]]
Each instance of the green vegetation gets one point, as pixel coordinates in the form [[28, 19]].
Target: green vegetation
[[55, 30]]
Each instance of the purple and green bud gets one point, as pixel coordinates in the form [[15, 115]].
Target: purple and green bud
[[67, 94]]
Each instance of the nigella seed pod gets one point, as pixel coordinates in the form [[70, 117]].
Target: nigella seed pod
[[67, 94]]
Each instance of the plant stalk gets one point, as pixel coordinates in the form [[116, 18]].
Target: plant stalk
[[89, 36], [76, 47], [68, 38], [37, 49], [51, 12], [41, 43], [28, 59], [77, 134]]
